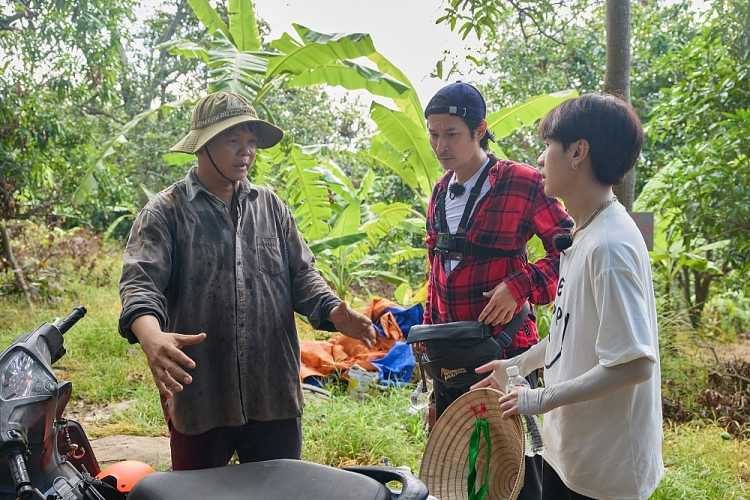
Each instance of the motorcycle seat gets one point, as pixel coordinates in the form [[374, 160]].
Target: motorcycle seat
[[272, 479]]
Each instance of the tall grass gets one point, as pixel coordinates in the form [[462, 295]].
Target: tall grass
[[702, 465], [102, 365], [342, 431]]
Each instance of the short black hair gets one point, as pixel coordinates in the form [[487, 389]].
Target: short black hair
[[609, 124], [484, 142]]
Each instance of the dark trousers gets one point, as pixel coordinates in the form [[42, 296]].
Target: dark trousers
[[555, 489], [253, 442], [532, 481]]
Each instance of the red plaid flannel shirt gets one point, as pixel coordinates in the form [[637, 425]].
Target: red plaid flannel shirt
[[514, 209]]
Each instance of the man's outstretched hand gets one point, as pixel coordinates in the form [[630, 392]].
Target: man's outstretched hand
[[353, 324], [169, 365]]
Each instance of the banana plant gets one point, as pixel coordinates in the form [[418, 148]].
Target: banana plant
[[304, 188], [237, 61], [88, 184], [343, 230], [402, 145], [352, 265]]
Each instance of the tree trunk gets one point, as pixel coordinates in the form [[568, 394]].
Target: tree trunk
[[617, 77], [17, 271], [702, 286], [685, 281]]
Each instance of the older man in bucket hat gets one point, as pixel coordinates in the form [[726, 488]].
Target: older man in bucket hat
[[213, 272]]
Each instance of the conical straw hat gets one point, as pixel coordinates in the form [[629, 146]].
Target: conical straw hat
[[445, 468]]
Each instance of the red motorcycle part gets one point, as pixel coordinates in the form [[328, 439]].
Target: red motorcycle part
[[73, 443], [125, 475]]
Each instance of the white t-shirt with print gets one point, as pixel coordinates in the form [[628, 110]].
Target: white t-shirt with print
[[605, 313]]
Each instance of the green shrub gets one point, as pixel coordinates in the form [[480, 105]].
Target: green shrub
[[52, 259], [726, 315]]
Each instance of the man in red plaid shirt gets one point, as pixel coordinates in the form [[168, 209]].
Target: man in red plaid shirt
[[511, 209], [493, 207]]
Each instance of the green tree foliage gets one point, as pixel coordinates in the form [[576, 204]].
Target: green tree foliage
[[75, 76], [698, 133], [59, 61], [58, 65], [73, 73], [517, 66], [531, 18]]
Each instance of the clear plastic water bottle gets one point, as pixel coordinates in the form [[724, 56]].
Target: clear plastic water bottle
[[515, 379], [534, 444], [419, 399]]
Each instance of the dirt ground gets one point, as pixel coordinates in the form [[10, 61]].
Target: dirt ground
[[739, 350], [151, 450]]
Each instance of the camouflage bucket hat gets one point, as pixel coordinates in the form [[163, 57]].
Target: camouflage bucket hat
[[222, 110]]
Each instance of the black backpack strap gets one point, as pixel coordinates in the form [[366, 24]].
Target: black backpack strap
[[475, 250], [509, 332], [473, 196]]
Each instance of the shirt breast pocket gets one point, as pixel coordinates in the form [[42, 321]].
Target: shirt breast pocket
[[504, 229], [268, 250]]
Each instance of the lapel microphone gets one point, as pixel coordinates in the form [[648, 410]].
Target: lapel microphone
[[562, 241], [456, 189]]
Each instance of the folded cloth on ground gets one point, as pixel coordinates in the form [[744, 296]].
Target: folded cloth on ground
[[338, 354]]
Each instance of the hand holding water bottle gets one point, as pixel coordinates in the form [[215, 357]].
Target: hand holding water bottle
[[509, 406], [514, 383], [497, 378]]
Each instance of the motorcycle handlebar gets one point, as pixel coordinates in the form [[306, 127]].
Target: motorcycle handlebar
[[20, 475], [67, 323]]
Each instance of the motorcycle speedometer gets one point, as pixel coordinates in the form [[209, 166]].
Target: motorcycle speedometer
[[22, 376]]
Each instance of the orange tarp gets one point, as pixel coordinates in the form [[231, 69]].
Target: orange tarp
[[337, 355]]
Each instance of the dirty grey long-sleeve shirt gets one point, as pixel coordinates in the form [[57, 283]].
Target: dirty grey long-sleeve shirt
[[189, 266]]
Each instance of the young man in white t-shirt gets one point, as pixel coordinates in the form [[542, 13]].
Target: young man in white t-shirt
[[602, 398]]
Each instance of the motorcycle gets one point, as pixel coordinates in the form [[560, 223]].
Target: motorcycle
[[49, 457]]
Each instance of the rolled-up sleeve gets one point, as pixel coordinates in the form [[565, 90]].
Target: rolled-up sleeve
[[311, 295], [146, 270]]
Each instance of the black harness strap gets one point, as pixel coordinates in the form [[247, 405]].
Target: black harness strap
[[456, 246], [473, 196]]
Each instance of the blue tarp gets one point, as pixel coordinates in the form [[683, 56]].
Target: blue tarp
[[405, 317], [397, 366]]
